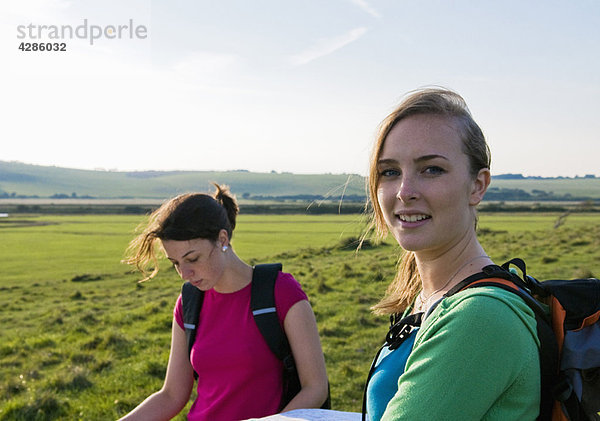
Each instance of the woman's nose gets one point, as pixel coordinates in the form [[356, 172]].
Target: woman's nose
[[407, 190], [186, 273]]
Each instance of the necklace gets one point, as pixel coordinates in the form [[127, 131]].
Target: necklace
[[424, 301]]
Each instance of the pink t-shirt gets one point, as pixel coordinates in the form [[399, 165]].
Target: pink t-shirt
[[239, 377]]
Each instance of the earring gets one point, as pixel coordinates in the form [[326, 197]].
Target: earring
[[224, 249]]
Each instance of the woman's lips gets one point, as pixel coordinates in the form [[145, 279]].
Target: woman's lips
[[413, 219]]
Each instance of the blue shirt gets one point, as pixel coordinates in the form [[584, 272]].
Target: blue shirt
[[383, 384]]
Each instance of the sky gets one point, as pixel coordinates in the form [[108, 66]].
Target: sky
[[292, 85]]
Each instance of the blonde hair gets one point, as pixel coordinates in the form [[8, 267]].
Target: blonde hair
[[432, 101], [185, 217]]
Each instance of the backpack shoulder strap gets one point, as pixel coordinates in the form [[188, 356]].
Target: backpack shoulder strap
[[500, 277], [262, 304], [191, 301], [398, 333], [264, 311], [490, 275]]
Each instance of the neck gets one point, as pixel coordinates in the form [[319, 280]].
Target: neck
[[439, 273], [237, 275]]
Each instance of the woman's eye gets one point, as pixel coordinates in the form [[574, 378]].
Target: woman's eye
[[194, 260], [389, 172], [434, 170]]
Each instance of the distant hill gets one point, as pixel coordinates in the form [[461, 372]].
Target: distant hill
[[529, 177], [25, 180], [19, 180]]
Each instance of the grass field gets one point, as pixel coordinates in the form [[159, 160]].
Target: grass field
[[81, 339]]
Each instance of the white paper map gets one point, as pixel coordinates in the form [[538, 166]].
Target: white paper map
[[313, 415]]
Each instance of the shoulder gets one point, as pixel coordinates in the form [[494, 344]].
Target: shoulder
[[288, 292], [178, 312], [484, 309], [286, 283], [482, 343], [486, 301]]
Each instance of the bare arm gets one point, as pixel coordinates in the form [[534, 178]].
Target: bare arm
[[301, 330], [179, 380]]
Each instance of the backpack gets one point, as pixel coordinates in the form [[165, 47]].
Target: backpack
[[262, 304], [567, 313]]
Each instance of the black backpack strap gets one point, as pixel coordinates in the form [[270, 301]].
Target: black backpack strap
[[490, 271], [371, 371], [262, 304], [264, 311], [399, 331], [191, 301]]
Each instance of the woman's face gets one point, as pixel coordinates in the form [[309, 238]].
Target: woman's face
[[198, 261], [425, 190]]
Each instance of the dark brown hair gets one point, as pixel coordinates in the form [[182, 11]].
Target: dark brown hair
[[185, 217]]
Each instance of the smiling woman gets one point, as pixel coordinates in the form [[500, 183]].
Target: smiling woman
[[474, 356], [425, 181], [239, 377]]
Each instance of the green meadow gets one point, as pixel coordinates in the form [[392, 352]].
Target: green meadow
[[82, 339]]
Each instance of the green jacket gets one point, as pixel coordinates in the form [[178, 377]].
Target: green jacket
[[475, 358]]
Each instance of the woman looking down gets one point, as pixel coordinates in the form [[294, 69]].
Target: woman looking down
[[238, 375]]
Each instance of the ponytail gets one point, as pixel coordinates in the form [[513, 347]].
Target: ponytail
[[224, 197]]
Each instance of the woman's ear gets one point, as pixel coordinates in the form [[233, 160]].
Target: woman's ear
[[223, 239], [480, 185]]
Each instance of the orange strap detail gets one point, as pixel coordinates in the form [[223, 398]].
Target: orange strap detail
[[589, 320], [557, 412], [496, 281], [558, 323]]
